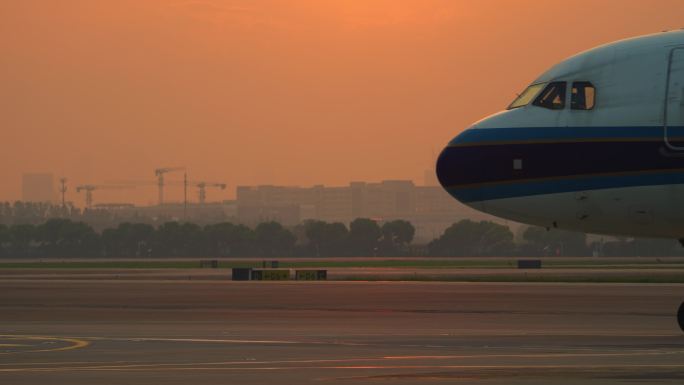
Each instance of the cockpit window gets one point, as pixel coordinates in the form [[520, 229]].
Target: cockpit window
[[553, 96], [583, 96], [526, 97]]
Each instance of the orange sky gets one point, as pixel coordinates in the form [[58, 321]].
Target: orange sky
[[280, 92]]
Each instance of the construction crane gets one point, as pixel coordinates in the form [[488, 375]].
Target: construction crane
[[159, 173], [63, 190], [89, 188], [202, 189]]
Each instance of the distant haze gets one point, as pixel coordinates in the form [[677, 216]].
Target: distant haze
[[278, 92]]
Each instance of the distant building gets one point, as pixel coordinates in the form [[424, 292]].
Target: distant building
[[38, 188], [429, 208], [430, 178]]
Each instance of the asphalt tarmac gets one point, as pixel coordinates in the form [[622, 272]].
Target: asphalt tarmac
[[217, 332], [584, 274]]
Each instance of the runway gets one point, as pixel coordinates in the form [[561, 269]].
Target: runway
[[180, 332], [585, 274]]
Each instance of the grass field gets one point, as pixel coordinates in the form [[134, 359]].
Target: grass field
[[427, 263], [626, 278], [571, 270]]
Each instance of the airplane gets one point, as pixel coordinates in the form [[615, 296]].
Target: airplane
[[595, 144]]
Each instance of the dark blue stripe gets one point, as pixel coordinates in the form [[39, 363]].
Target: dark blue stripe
[[521, 134], [556, 160], [494, 163], [570, 184]]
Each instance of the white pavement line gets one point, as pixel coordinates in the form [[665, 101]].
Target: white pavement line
[[358, 367]]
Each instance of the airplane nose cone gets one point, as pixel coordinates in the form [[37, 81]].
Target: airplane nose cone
[[444, 168], [458, 171]]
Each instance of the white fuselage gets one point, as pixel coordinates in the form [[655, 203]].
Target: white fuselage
[[596, 145]]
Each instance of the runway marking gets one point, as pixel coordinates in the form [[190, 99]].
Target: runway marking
[[222, 341], [351, 367], [206, 340], [253, 365], [333, 342], [81, 341], [541, 355], [367, 363], [74, 343], [63, 363]]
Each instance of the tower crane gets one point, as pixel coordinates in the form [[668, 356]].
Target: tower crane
[[159, 173], [202, 189], [89, 188], [63, 189]]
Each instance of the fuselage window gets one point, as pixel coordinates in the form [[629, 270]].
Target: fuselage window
[[553, 96], [583, 96], [527, 96]]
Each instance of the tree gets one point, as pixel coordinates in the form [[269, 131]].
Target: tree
[[326, 238], [4, 239], [364, 235], [128, 239], [227, 239], [642, 247], [65, 238], [272, 239], [173, 239], [469, 238], [396, 235], [555, 242], [21, 239]]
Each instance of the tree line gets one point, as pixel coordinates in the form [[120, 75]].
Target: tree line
[[486, 238], [67, 238], [363, 237]]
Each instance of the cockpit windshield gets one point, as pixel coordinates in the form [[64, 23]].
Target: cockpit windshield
[[527, 96]]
